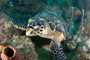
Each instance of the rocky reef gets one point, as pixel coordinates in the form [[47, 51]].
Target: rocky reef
[[4, 27], [16, 44], [14, 41], [82, 52], [11, 41]]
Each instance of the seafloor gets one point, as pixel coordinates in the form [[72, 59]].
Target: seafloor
[[37, 48]]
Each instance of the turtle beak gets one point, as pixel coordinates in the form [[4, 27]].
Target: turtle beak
[[29, 32]]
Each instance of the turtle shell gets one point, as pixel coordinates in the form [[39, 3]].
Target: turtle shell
[[53, 19]]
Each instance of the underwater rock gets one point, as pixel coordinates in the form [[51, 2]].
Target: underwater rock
[[8, 37], [9, 53], [24, 45], [5, 27]]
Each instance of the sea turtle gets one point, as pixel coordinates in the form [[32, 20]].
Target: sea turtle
[[47, 25]]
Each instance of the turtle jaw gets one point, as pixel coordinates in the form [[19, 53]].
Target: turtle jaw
[[28, 33]]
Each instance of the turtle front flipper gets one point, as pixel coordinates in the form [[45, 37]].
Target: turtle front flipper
[[17, 23], [57, 51]]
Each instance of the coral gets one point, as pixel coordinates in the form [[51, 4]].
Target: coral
[[24, 45], [25, 9], [82, 39], [76, 12], [9, 53], [82, 51], [5, 27], [83, 44], [21, 44]]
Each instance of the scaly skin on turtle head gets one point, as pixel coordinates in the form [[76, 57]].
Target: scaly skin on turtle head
[[38, 28], [41, 28]]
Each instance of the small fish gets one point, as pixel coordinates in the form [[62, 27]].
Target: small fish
[[10, 3]]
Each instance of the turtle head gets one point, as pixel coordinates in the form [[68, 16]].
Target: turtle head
[[38, 28], [41, 28]]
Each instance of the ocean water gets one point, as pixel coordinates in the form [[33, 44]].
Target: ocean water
[[71, 11]]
